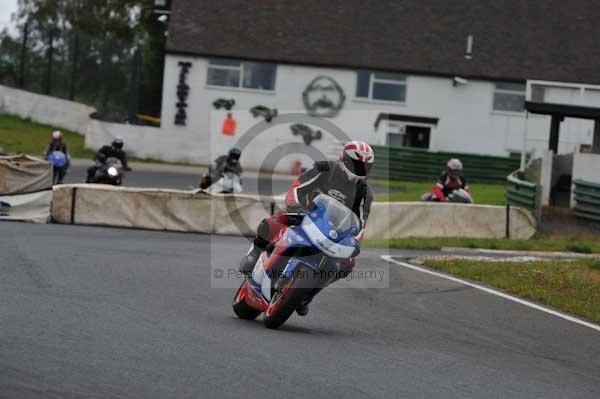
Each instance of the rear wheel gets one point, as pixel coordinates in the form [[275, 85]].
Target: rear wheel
[[288, 296], [241, 308]]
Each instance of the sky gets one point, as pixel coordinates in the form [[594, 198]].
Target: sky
[[7, 7]]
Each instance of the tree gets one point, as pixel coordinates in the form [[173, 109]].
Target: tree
[[84, 49], [9, 54]]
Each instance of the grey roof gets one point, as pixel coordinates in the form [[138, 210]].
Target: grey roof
[[513, 39]]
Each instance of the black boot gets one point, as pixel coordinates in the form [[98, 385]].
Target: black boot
[[249, 261], [302, 310]]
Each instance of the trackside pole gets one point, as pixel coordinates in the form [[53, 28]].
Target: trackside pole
[[507, 221], [524, 149]]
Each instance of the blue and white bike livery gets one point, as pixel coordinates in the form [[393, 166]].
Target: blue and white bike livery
[[59, 162], [300, 261]]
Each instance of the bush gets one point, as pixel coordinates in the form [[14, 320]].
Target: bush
[[595, 265], [581, 248]]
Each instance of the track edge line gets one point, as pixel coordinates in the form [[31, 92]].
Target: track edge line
[[390, 259]]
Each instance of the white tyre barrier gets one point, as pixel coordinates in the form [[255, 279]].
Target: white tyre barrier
[[428, 220], [195, 211], [32, 207]]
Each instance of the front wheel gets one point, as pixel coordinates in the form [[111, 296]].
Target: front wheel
[[241, 308], [288, 296]]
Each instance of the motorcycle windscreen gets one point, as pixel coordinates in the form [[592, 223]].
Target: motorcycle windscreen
[[331, 227], [338, 216]]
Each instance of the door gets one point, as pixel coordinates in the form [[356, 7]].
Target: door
[[417, 136]]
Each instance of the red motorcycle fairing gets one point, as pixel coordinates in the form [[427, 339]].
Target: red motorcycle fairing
[[252, 297]]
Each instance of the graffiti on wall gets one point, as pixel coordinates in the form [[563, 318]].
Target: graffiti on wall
[[323, 97], [183, 91]]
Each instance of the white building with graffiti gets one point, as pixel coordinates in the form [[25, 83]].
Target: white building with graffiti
[[451, 86]]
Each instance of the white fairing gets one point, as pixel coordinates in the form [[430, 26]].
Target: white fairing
[[260, 276], [460, 195], [229, 183], [323, 242]]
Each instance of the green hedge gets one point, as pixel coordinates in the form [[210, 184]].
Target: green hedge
[[405, 163]]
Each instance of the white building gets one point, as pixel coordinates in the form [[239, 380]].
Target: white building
[[452, 76]]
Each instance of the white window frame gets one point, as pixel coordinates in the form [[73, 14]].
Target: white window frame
[[240, 86], [582, 88], [507, 91], [373, 80]]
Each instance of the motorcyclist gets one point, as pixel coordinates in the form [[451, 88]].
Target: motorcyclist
[[451, 179], [115, 150], [57, 143], [343, 180], [229, 162]]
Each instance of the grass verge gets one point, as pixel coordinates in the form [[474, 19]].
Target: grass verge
[[484, 194], [19, 135], [23, 136], [570, 286], [540, 242]]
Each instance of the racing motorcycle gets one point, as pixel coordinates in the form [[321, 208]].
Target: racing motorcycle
[[59, 161], [110, 172], [229, 183], [299, 262], [458, 195]]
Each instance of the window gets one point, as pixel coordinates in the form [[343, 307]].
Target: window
[[538, 93], [381, 86], [241, 74], [509, 97]]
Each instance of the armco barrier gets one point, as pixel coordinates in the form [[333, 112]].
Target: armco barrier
[[522, 193], [199, 212], [403, 163], [587, 198]]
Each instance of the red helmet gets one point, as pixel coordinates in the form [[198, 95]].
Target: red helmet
[[357, 159]]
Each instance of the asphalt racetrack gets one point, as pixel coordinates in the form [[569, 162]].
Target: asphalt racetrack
[[89, 312]]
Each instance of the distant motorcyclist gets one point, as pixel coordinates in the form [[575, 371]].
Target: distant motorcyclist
[[57, 144], [229, 162], [343, 180], [115, 150], [450, 182]]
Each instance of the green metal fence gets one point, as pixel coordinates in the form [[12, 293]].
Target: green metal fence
[[522, 193], [404, 163], [587, 198]]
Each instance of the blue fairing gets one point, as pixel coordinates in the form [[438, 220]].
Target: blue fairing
[[57, 158], [332, 228], [296, 238], [320, 231]]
